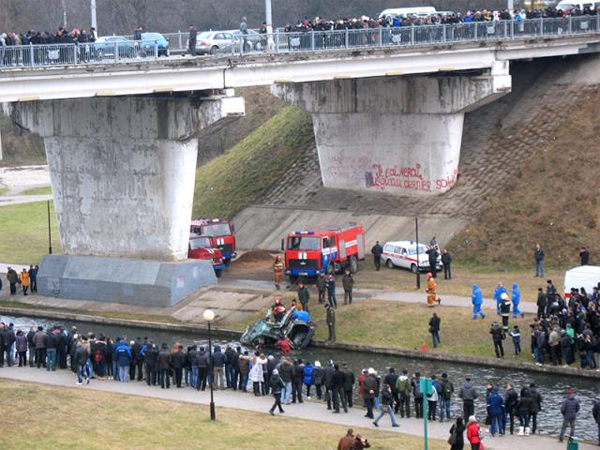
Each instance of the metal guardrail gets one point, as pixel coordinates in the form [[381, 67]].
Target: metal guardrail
[[309, 41]]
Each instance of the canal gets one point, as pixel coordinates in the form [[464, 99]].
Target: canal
[[552, 387]]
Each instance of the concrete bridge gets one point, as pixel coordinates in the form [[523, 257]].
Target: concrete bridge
[[121, 136]]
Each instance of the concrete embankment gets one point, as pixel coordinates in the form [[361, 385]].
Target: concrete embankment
[[346, 346]]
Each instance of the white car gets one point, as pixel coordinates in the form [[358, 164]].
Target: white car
[[404, 254]]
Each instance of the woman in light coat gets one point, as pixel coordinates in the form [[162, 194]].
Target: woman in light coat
[[256, 373]]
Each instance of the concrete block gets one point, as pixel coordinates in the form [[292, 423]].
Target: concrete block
[[117, 280]]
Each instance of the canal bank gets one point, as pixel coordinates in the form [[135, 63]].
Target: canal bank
[[353, 347], [552, 387]]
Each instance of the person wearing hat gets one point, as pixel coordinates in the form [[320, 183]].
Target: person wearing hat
[[369, 390], [431, 291], [348, 284], [330, 317], [377, 251], [498, 291], [278, 268], [473, 433], [276, 386], [569, 410]]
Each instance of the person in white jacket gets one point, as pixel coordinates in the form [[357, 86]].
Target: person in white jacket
[[256, 373]]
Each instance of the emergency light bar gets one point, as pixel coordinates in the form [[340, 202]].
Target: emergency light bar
[[304, 232]]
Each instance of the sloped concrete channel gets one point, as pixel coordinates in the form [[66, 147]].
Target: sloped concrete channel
[[552, 382]]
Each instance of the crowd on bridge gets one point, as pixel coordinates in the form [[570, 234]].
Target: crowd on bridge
[[288, 380], [438, 18]]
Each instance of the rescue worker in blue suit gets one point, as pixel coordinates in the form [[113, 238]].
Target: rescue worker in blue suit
[[516, 299], [477, 300], [500, 289]]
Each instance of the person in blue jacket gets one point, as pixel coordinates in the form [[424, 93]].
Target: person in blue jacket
[[477, 300], [500, 289], [496, 410], [516, 299], [123, 356], [307, 378]]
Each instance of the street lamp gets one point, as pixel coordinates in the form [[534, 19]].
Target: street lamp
[[93, 20], [269, 21], [209, 316]]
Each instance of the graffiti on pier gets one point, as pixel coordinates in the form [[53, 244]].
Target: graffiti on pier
[[409, 178]]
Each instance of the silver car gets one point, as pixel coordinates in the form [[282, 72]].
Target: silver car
[[209, 42]]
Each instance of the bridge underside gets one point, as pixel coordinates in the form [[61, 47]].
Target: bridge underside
[[122, 173], [400, 135]]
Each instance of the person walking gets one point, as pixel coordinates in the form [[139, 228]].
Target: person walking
[[369, 389], [446, 261], [457, 437], [473, 433], [303, 295], [387, 407], [497, 337], [445, 396], [81, 356], [516, 300], [431, 291], [477, 301], [496, 410], [330, 318], [278, 268], [569, 410], [377, 251], [468, 394], [192, 39], [330, 281], [538, 256], [348, 284], [276, 385], [434, 329]]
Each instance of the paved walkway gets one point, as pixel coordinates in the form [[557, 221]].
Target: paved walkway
[[308, 411]]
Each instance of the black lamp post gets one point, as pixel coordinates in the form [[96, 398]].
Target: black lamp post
[[209, 316], [418, 261], [49, 231]]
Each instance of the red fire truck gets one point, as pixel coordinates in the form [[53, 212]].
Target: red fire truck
[[221, 234], [329, 250], [200, 247]]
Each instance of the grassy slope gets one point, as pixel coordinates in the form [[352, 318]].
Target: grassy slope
[[25, 233], [551, 199], [241, 175], [119, 421]]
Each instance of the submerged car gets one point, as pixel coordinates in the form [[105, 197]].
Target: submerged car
[[267, 331]]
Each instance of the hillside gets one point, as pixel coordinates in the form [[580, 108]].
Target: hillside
[[245, 172]]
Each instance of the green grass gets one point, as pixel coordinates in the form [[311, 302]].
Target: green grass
[[44, 190], [75, 418], [241, 175], [25, 232]]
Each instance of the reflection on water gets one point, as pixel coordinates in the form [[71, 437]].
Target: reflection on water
[[552, 387]]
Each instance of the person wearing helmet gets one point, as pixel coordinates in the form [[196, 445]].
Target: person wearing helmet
[[278, 268], [505, 310], [431, 291]]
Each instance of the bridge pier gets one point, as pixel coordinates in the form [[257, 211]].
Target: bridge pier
[[400, 135], [122, 171]]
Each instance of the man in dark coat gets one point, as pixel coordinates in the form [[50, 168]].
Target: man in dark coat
[[569, 410], [433, 256], [536, 406], [349, 381], [330, 322], [337, 389], [276, 385], [193, 38], [511, 399], [497, 337], [585, 256], [377, 251], [446, 261], [303, 295], [348, 284]]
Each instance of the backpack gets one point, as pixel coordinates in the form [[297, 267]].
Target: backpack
[[98, 356]]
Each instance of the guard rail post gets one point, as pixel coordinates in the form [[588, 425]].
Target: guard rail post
[[180, 38], [277, 42], [597, 23], [75, 54], [346, 38], [155, 50], [312, 40], [512, 28], [541, 26], [31, 54], [505, 29], [412, 34], [116, 55], [475, 32], [570, 24], [444, 33], [380, 37]]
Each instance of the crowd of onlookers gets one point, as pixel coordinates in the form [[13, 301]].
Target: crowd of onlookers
[[62, 36]]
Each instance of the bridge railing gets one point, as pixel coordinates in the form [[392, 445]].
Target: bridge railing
[[311, 41]]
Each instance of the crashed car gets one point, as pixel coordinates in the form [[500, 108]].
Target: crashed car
[[266, 332]]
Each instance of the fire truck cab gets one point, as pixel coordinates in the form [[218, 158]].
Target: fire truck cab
[[221, 234], [330, 250], [200, 247]]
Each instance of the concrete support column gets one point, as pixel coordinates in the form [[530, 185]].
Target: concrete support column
[[122, 172], [400, 135]]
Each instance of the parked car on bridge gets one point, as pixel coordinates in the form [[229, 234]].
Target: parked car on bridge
[[105, 46], [404, 254], [210, 42], [151, 39]]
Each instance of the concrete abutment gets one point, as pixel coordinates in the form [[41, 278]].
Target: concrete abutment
[[400, 135], [123, 172]]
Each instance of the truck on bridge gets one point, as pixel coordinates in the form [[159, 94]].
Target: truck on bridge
[[327, 250]]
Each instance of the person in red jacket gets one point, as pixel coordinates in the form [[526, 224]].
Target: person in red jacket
[[473, 434]]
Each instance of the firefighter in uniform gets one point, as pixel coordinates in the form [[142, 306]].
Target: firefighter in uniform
[[431, 291], [278, 268]]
